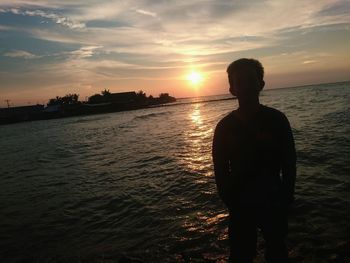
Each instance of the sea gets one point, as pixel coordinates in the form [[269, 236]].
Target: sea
[[138, 186]]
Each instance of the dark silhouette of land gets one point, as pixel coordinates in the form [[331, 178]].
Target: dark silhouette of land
[[69, 105], [255, 167]]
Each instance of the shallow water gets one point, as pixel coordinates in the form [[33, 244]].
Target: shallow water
[[140, 183]]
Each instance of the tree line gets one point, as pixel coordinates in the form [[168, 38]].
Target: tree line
[[106, 96]]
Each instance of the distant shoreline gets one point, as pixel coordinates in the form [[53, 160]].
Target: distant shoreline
[[60, 116], [192, 102], [308, 85]]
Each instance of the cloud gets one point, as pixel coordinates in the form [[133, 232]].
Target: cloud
[[189, 28], [309, 61], [337, 8], [20, 54], [84, 52], [147, 13], [58, 19]]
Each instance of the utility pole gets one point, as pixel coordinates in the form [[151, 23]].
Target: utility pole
[[8, 103]]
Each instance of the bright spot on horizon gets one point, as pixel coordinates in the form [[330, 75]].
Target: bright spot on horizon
[[195, 77]]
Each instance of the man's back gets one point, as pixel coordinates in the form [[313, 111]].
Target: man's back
[[255, 150]]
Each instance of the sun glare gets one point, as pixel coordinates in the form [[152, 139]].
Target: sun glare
[[195, 78]]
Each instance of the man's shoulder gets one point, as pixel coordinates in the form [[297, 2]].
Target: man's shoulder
[[275, 118], [273, 113], [225, 121]]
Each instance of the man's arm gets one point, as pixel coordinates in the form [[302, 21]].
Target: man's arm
[[221, 164], [288, 162]]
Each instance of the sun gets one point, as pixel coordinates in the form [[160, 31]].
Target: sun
[[195, 77]]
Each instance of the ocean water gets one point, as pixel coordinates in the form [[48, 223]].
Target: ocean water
[[140, 183]]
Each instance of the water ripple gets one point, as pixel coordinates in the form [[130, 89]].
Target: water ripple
[[140, 183]]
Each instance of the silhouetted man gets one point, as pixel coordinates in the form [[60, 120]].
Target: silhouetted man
[[255, 167]]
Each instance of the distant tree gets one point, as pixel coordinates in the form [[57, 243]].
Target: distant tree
[[106, 93], [151, 100], [65, 100], [54, 101], [164, 95], [71, 98], [105, 96], [140, 94], [141, 97], [164, 98]]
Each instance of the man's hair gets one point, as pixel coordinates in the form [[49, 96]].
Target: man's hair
[[247, 62]]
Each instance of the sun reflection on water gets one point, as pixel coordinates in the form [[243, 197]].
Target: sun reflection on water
[[205, 223], [196, 156], [195, 115]]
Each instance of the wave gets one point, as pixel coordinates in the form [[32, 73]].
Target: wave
[[151, 115]]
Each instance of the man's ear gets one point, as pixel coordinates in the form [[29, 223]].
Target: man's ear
[[262, 85]]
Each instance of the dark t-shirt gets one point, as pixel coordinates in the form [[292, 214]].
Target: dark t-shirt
[[254, 160]]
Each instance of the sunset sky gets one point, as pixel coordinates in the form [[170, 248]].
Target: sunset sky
[[50, 48]]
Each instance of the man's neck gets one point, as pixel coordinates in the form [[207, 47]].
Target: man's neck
[[248, 109]]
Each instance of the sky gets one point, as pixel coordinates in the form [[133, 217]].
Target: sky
[[52, 48]]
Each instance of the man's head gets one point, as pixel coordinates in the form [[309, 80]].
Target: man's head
[[246, 78]]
